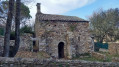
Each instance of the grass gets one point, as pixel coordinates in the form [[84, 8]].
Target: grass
[[109, 57], [91, 59], [42, 55], [88, 57]]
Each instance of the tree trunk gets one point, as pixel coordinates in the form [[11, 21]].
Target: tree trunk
[[101, 40], [8, 29], [17, 27]]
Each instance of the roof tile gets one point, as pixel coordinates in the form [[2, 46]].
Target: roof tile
[[60, 18]]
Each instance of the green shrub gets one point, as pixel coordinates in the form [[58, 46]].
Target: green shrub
[[60, 65], [12, 35], [85, 54], [2, 31], [79, 55], [26, 29]]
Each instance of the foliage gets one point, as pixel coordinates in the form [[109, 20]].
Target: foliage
[[72, 27], [91, 59], [25, 14], [42, 54], [13, 14], [117, 35], [104, 23], [60, 65], [26, 29], [2, 31], [109, 56], [84, 54], [88, 57], [12, 35]]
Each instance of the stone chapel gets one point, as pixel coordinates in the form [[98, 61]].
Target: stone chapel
[[62, 36]]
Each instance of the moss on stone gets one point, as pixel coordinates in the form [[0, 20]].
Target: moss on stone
[[72, 27]]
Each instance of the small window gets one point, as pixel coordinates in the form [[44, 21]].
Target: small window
[[55, 25]]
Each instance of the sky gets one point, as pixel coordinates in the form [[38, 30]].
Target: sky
[[79, 8]]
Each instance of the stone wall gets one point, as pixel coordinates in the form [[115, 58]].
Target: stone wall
[[1, 45], [74, 35], [26, 44], [115, 59], [98, 55], [113, 48], [31, 62], [103, 50]]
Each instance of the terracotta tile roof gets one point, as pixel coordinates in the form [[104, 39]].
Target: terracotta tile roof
[[51, 17]]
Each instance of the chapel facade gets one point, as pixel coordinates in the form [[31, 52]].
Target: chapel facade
[[62, 36]]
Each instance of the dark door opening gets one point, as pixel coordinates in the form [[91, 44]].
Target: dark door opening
[[61, 50]]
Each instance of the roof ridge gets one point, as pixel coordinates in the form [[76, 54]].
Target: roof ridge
[[59, 17]]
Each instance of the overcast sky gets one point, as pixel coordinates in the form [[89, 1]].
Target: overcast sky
[[80, 8]]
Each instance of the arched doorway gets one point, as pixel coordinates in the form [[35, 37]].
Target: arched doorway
[[61, 50]]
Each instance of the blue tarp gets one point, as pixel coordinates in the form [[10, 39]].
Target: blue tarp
[[99, 45]]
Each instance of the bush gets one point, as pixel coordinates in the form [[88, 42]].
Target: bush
[[12, 35], [2, 31], [26, 29]]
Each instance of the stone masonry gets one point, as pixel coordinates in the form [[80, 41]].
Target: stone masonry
[[113, 48], [62, 36], [33, 62], [26, 44], [1, 45]]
